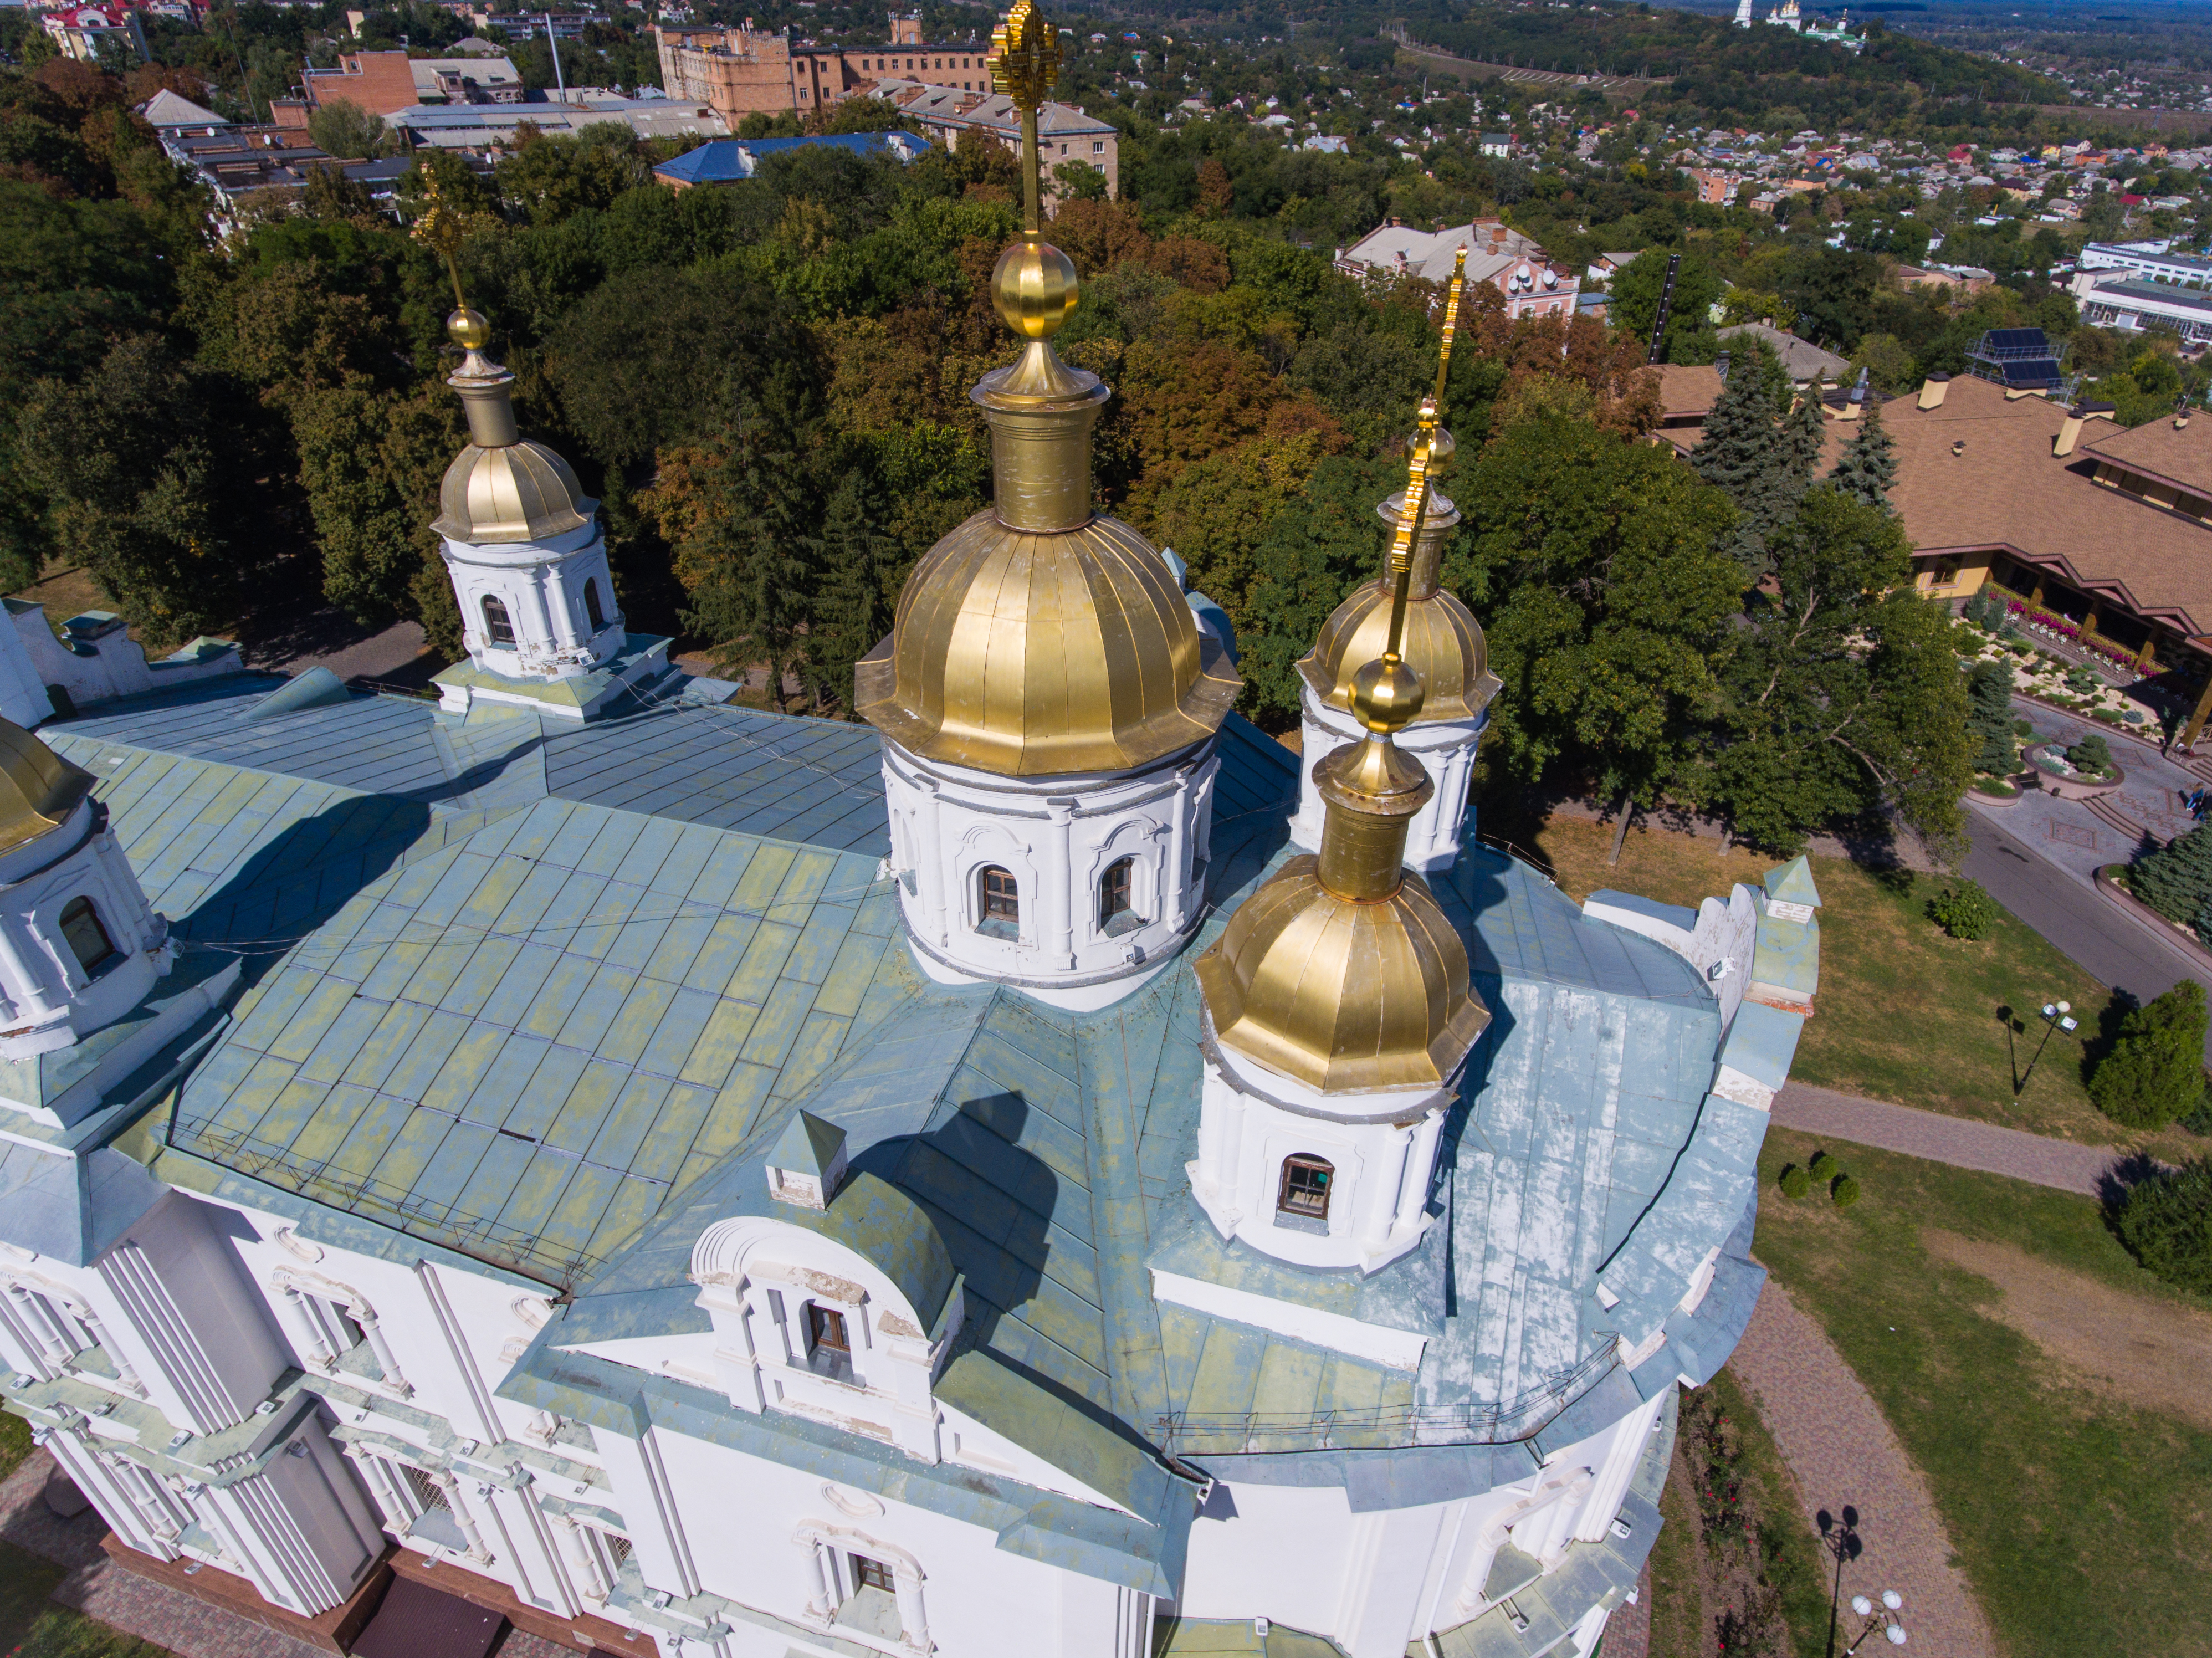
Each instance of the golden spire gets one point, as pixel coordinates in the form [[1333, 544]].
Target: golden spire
[[1440, 637], [499, 489], [1372, 789], [1341, 971]]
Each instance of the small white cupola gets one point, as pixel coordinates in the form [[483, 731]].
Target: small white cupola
[[528, 559], [807, 1163], [79, 945]]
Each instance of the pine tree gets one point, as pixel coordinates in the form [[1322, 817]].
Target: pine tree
[[1744, 455], [1804, 434], [857, 562], [2155, 1070], [1989, 694], [1870, 464], [2176, 880]]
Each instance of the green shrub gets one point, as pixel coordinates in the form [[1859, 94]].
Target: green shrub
[[2197, 1120], [2092, 754], [2136, 717], [2023, 728], [2167, 1224], [1964, 909], [2104, 716], [1845, 1191], [2080, 680], [2176, 879], [1796, 1182], [2155, 1070], [1825, 1166]]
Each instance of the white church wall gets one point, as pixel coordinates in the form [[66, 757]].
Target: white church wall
[[539, 591], [1058, 837], [767, 1551]]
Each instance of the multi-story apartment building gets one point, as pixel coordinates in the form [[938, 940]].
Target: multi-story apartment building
[[746, 71]]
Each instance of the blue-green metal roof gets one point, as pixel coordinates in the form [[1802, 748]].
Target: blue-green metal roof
[[546, 994]]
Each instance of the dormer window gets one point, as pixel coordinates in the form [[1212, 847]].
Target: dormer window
[[498, 627], [1304, 1194], [1117, 910], [829, 1349], [998, 902], [87, 938]]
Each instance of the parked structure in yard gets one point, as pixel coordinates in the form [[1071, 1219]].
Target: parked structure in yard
[[695, 1179]]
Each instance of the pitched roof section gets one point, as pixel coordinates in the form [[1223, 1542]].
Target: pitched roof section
[[2166, 451], [523, 1044], [2006, 489]]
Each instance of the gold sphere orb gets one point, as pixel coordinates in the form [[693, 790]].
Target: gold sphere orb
[[1035, 289], [1441, 450], [1386, 695], [469, 330]]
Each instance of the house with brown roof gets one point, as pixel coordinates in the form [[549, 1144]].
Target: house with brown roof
[[2109, 528]]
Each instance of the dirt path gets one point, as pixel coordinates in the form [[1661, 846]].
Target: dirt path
[[1841, 1450], [1958, 1141], [2152, 1355]]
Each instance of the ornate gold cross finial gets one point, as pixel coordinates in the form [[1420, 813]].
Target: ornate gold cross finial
[[439, 228], [1024, 65], [1452, 325]]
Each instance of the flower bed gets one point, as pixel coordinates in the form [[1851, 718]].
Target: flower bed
[[2059, 778]]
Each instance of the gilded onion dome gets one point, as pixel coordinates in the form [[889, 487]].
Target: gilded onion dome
[[37, 787], [501, 489], [1341, 972], [1442, 641], [1042, 637]]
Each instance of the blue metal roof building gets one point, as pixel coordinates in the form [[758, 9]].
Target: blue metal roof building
[[725, 160]]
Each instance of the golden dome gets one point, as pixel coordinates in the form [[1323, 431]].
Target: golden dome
[[516, 492], [1442, 641], [37, 787], [1342, 995], [1032, 654]]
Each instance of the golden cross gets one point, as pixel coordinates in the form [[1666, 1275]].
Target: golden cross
[[437, 229], [1452, 325], [1401, 566], [1024, 65]]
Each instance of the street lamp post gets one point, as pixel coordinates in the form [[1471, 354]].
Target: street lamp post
[[2055, 1017], [1882, 1619]]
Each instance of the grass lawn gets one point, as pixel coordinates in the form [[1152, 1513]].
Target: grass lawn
[[31, 1625], [2080, 1517], [1904, 1013]]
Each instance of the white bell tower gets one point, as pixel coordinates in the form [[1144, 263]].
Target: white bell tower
[[529, 564], [79, 945]]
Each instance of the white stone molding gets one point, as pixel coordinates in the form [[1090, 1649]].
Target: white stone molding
[[1381, 1147], [1446, 749], [757, 1277], [1058, 837], [49, 999], [39, 1300], [289, 1283], [823, 1540], [543, 587]]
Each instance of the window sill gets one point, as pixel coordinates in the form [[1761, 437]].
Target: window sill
[[1313, 1226], [1127, 922], [1007, 930]]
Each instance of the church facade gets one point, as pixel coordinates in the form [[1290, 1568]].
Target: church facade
[[1045, 1170]]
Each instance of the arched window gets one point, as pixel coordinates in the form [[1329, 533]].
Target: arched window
[[87, 938], [1117, 910], [593, 613], [998, 902], [498, 629], [1304, 1191]]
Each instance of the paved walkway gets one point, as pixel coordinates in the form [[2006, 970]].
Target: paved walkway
[[1958, 1141], [1842, 1451]]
